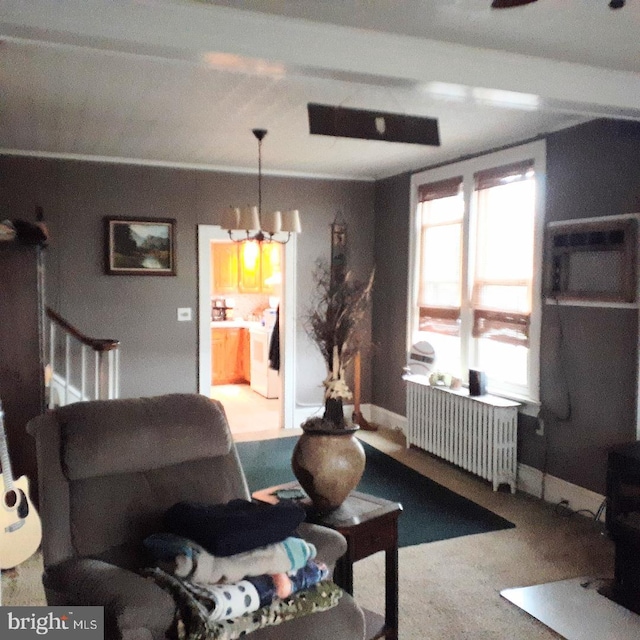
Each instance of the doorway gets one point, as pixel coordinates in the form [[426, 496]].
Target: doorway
[[248, 410]]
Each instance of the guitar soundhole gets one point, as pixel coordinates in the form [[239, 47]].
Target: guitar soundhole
[[10, 499], [17, 499], [23, 507]]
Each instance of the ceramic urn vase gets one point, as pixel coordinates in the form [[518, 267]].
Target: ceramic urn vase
[[328, 465]]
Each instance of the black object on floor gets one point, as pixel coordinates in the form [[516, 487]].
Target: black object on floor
[[430, 511]]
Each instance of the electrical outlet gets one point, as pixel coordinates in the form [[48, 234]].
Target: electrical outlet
[[184, 314]]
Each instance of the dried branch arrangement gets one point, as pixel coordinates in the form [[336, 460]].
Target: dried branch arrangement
[[337, 309]]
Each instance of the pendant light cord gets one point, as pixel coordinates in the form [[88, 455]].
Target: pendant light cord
[[260, 181], [259, 134]]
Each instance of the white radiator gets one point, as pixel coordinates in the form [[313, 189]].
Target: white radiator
[[477, 433]]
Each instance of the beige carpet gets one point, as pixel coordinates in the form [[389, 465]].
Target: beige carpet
[[450, 590], [22, 586]]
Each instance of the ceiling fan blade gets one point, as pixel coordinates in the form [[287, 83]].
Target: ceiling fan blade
[[507, 4]]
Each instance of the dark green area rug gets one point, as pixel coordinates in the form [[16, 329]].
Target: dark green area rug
[[430, 511]]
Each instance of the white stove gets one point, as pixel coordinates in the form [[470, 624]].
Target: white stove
[[264, 380]]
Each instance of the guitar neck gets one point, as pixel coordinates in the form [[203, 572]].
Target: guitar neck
[[7, 474]]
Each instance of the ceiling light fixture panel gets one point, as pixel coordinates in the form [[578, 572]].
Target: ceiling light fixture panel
[[343, 122]]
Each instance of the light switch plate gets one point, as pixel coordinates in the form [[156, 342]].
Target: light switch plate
[[184, 314]]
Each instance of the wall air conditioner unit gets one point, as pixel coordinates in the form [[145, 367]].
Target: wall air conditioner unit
[[592, 260]]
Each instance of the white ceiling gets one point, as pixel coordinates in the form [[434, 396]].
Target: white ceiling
[[184, 82]]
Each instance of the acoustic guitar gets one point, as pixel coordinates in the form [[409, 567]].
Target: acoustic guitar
[[20, 526]]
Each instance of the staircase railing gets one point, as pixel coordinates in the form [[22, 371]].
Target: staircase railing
[[80, 368]]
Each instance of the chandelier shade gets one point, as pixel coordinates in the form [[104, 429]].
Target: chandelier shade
[[272, 222], [291, 221], [249, 219], [256, 225]]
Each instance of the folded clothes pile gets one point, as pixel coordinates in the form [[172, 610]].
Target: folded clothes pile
[[234, 527], [188, 560], [237, 557], [235, 599]]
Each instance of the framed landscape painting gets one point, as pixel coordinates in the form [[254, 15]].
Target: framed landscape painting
[[140, 246]]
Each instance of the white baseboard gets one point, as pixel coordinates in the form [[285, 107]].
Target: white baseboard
[[387, 419], [554, 490], [530, 480]]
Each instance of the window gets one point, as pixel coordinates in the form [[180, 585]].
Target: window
[[476, 254], [441, 213]]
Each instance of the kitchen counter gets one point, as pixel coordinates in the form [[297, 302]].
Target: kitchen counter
[[234, 324]]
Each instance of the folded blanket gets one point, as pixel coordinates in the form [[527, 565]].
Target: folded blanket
[[193, 615], [188, 560], [310, 574], [282, 585], [235, 527], [226, 601], [266, 588]]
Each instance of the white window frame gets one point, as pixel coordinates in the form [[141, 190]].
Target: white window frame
[[535, 151]]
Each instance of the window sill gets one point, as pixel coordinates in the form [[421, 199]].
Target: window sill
[[528, 406], [576, 302]]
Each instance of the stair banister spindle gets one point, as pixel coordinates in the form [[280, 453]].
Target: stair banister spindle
[[116, 372], [103, 375], [67, 367], [113, 368], [52, 351], [96, 375], [83, 372], [110, 374]]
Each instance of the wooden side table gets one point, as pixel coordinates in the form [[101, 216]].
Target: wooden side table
[[369, 524]]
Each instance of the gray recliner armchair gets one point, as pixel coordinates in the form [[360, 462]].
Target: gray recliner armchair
[[107, 472]]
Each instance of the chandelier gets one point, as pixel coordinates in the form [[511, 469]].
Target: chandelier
[[255, 225]]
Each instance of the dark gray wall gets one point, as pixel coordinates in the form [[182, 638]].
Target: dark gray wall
[[392, 203], [588, 355], [159, 354]]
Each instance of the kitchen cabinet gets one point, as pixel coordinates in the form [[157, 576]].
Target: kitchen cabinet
[[218, 359], [247, 267], [229, 355], [224, 264], [246, 355], [250, 268], [270, 267]]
